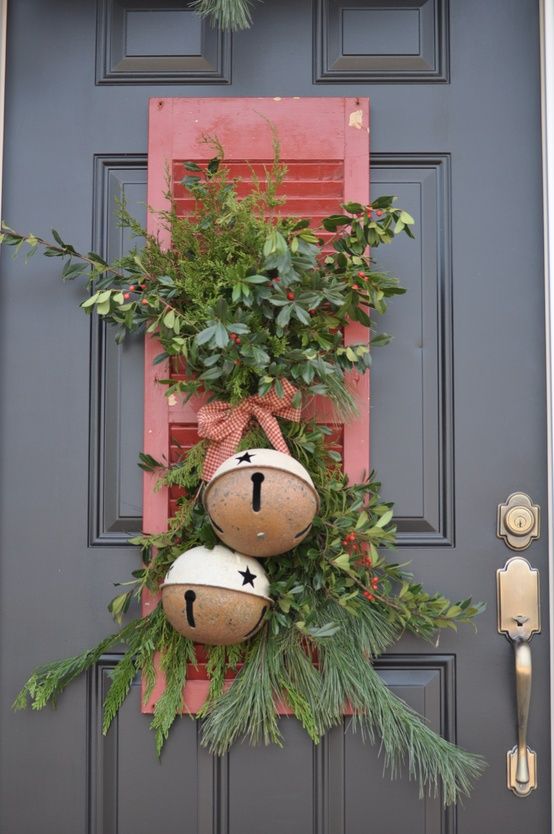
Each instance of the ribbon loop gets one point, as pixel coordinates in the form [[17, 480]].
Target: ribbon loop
[[223, 425]]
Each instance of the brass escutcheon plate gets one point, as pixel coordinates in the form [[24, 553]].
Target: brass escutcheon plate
[[519, 615], [519, 788], [518, 521]]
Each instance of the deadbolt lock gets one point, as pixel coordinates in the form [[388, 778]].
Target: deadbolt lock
[[518, 521]]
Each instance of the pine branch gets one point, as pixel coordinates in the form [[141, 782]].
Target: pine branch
[[226, 14], [48, 681], [143, 642], [347, 677], [247, 709], [179, 651]]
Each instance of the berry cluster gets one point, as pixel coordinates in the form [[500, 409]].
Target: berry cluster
[[352, 545]]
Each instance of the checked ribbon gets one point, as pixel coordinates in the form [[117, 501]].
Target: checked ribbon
[[224, 424]]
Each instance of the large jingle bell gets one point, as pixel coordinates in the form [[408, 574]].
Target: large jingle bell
[[215, 597], [261, 502]]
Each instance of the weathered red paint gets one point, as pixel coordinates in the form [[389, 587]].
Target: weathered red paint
[[325, 144]]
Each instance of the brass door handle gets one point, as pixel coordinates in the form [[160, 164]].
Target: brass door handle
[[519, 619], [524, 674]]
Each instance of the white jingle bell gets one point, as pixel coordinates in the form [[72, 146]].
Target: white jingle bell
[[261, 502], [215, 597]]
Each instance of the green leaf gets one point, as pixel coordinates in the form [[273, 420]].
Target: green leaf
[[332, 222], [343, 562], [90, 301], [384, 520], [221, 336], [256, 279], [212, 373], [362, 520], [301, 314], [296, 401], [238, 327], [353, 208], [205, 335], [284, 316], [169, 319], [120, 605], [166, 280], [406, 218]]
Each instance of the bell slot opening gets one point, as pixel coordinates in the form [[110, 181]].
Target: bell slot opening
[[257, 479], [190, 596]]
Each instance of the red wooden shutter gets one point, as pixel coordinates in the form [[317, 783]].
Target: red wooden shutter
[[325, 144]]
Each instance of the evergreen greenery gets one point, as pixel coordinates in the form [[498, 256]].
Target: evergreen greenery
[[227, 14], [246, 298]]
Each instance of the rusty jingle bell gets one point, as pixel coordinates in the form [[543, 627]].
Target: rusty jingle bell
[[261, 502], [215, 597]]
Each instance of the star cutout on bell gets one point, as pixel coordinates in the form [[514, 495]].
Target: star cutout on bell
[[245, 458], [248, 577]]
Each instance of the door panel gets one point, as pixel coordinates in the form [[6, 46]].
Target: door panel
[[457, 410]]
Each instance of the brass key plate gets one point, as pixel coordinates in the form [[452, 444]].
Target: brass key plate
[[518, 521]]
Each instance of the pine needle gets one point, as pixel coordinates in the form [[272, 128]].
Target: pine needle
[[227, 14], [247, 709], [143, 643], [48, 681], [406, 740], [178, 654]]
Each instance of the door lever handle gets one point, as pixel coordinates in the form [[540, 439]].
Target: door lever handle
[[524, 672], [519, 619]]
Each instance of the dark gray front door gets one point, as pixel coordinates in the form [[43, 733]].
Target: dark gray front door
[[458, 403]]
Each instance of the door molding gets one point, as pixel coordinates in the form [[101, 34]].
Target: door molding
[[547, 116]]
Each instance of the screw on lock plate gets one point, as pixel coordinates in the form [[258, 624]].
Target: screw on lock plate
[[518, 521]]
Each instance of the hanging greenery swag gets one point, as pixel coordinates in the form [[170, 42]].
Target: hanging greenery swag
[[247, 298]]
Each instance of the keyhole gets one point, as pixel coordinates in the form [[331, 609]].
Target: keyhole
[[257, 479], [190, 596]]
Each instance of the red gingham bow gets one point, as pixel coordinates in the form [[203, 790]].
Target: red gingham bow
[[224, 425]]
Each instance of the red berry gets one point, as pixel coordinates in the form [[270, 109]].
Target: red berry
[[126, 295], [311, 312], [237, 340], [276, 279], [369, 596], [374, 582], [144, 301], [362, 275], [131, 288], [355, 287], [378, 212], [352, 536], [290, 296]]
